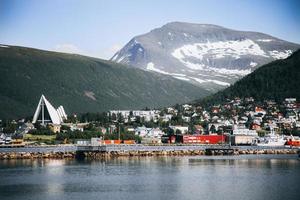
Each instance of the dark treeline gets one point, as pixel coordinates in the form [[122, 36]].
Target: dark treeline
[[274, 81]]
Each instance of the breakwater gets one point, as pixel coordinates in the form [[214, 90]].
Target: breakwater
[[94, 152]]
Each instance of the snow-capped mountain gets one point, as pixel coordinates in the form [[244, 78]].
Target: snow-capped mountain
[[209, 55]]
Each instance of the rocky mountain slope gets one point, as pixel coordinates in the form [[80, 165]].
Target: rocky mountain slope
[[207, 55]]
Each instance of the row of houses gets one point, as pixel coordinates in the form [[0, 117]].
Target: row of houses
[[235, 116]]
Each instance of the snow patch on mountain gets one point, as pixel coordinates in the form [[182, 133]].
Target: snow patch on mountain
[[264, 40], [252, 64], [176, 74], [150, 67], [222, 83], [182, 78], [207, 55], [195, 66], [199, 80], [240, 72], [219, 82], [218, 50], [280, 54]]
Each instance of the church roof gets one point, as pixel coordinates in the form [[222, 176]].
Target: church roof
[[56, 116]]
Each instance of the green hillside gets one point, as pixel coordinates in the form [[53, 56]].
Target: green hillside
[[81, 84], [277, 80]]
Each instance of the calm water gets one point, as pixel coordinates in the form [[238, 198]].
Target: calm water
[[242, 177]]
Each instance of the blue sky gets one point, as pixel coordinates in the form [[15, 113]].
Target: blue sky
[[99, 28]]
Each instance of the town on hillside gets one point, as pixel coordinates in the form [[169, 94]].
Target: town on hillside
[[236, 121]]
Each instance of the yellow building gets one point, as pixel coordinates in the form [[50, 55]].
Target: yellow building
[[55, 128]]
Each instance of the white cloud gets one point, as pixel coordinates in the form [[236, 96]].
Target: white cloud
[[105, 53], [114, 48], [67, 48], [108, 52]]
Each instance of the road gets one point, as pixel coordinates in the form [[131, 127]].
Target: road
[[122, 147]]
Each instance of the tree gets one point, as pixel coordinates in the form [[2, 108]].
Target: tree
[[120, 118], [170, 131], [212, 129], [10, 127], [65, 128], [113, 117], [131, 113], [178, 132]]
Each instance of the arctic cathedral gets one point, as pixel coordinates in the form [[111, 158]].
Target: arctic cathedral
[[46, 114]]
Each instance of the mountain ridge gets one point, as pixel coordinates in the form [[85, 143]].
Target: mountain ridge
[[208, 55], [81, 84]]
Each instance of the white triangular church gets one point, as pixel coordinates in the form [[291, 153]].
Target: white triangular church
[[45, 113]]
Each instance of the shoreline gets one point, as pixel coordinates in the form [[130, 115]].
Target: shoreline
[[111, 154]]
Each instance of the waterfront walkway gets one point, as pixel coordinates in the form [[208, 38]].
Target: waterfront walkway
[[124, 148], [39, 149]]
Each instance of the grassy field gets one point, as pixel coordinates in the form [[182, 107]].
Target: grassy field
[[39, 137]]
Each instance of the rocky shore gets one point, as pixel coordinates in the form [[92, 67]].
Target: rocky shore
[[186, 153], [53, 155], [96, 155]]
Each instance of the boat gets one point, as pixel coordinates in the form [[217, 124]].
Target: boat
[[293, 141], [272, 140]]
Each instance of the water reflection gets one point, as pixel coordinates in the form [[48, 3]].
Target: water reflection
[[241, 177]]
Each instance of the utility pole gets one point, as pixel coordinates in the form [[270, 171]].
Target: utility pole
[[119, 131]]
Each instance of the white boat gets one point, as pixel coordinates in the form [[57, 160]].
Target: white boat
[[272, 140]]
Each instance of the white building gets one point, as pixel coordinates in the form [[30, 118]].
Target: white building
[[142, 131], [155, 132], [148, 115], [243, 131], [45, 113], [75, 127], [183, 129], [187, 107], [186, 118], [167, 117], [148, 132]]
